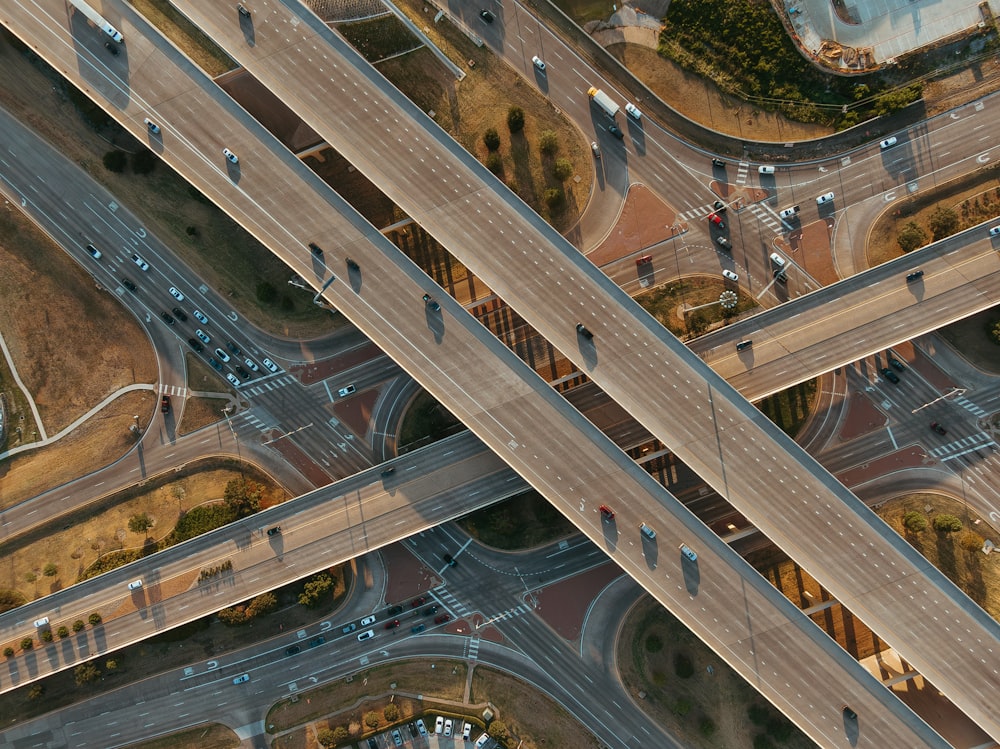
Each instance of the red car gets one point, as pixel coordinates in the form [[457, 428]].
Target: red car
[[644, 259], [717, 220], [938, 428], [442, 618], [393, 624], [606, 512], [418, 601], [164, 404]]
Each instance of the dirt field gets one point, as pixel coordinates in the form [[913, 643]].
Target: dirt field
[[204, 737], [101, 440]]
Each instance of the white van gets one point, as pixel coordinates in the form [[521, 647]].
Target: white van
[[43, 622], [777, 260], [481, 741]]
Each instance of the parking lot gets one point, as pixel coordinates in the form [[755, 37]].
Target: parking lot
[[410, 736]]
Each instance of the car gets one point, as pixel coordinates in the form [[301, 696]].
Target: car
[[352, 264], [367, 634], [716, 219], [417, 628], [450, 560], [431, 610], [583, 330], [890, 375], [730, 275], [372, 743], [467, 731], [442, 618], [438, 724], [487, 16], [167, 318], [644, 260], [152, 126], [780, 276], [241, 679], [214, 364], [995, 230], [888, 142], [938, 428], [421, 727], [647, 531], [741, 345], [720, 207], [765, 170], [388, 471], [349, 628], [392, 624], [274, 531], [345, 391], [538, 62], [135, 585], [447, 727], [270, 365], [293, 650], [431, 302], [719, 163], [595, 149], [202, 337], [176, 294], [724, 243], [368, 620], [223, 356], [233, 380], [914, 276], [179, 314], [94, 252], [234, 348], [849, 714], [317, 641], [251, 364], [616, 131], [242, 372], [896, 364], [397, 609], [417, 602], [113, 49], [143, 265], [200, 317], [397, 739], [316, 249], [689, 553], [606, 512], [412, 728], [633, 111], [788, 212], [43, 622], [195, 344], [242, 11], [164, 404], [482, 741], [777, 260], [231, 157], [824, 198]]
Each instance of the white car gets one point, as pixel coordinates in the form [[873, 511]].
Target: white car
[[367, 634], [647, 531], [688, 553], [777, 260], [176, 294], [439, 725], [596, 149], [730, 275], [788, 212], [270, 365], [200, 317], [241, 679], [995, 230], [153, 127], [824, 198], [632, 111], [467, 731], [140, 262], [222, 355], [368, 620], [447, 727], [765, 169], [135, 585], [251, 364], [482, 741], [343, 392], [231, 157], [94, 252], [204, 338], [233, 380], [538, 62], [888, 143]]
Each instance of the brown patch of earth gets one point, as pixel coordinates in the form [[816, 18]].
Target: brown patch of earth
[[564, 605], [644, 221], [863, 416], [816, 256]]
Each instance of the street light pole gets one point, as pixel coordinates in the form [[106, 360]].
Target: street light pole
[[227, 410], [953, 391]]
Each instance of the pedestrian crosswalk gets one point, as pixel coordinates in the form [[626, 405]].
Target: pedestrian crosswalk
[[263, 386], [964, 446], [970, 407], [472, 648], [442, 594], [179, 390], [766, 216], [742, 172], [250, 418]]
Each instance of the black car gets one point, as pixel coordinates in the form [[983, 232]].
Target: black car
[[372, 744], [450, 560], [719, 206], [128, 284], [215, 365], [317, 641], [744, 344], [616, 131], [938, 428], [582, 330], [897, 364], [353, 265], [242, 372], [179, 314], [316, 249], [431, 302], [167, 318], [487, 16], [293, 650], [719, 163], [915, 276], [112, 48], [395, 610], [430, 610], [274, 531], [234, 348], [196, 344], [388, 471], [890, 375]]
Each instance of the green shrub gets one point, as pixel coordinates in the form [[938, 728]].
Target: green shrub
[[28, 643], [515, 119], [144, 162], [914, 521], [491, 138], [94, 619], [548, 142], [78, 625], [911, 236], [47, 635], [947, 524], [266, 293], [683, 666], [654, 643], [562, 169], [554, 197], [63, 631], [115, 161], [50, 570], [8, 652], [494, 162]]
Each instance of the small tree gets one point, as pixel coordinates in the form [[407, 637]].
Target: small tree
[[63, 631], [943, 222], [242, 496], [947, 524], [491, 138], [391, 712], [94, 619], [263, 604], [111, 665], [46, 635], [326, 738], [497, 730], [316, 589], [515, 119], [78, 625], [30, 577], [554, 197], [683, 666], [914, 521], [494, 162], [27, 643], [86, 673], [8, 652], [36, 691], [50, 570], [140, 523], [548, 142], [911, 236], [115, 161], [144, 162], [371, 719], [562, 169]]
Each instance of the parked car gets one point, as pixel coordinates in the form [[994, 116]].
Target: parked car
[[420, 601], [202, 337], [438, 724], [368, 620], [397, 609], [447, 727], [167, 318], [345, 391], [716, 219], [392, 624], [317, 641], [241, 679], [222, 355], [234, 348], [765, 169], [431, 610], [349, 628], [293, 650], [179, 314], [897, 364], [421, 727], [442, 618], [233, 380], [176, 294], [788, 212], [270, 365], [368, 633], [595, 149], [417, 628], [724, 244], [214, 364], [200, 317], [196, 344]]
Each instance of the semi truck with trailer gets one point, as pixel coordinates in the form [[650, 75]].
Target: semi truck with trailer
[[98, 20], [604, 101]]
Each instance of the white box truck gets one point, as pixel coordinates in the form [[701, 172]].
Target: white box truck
[[98, 20], [604, 101]]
